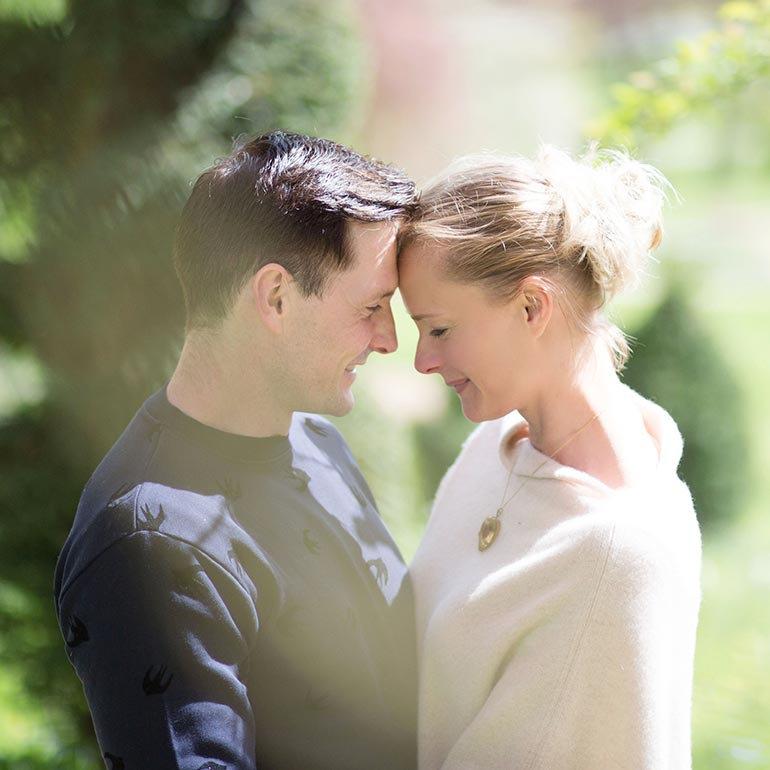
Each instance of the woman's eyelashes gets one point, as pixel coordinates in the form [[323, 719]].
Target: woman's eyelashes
[[439, 332]]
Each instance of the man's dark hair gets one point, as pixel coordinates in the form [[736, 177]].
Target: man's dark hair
[[283, 198]]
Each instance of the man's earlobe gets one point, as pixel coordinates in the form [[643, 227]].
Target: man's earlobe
[[270, 286]]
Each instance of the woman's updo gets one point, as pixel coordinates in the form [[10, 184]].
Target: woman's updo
[[585, 226]]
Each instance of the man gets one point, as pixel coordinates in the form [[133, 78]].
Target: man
[[229, 595]]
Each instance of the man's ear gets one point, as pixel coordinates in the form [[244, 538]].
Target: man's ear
[[537, 305], [270, 289]]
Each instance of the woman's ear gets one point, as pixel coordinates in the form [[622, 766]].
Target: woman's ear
[[270, 290], [537, 305]]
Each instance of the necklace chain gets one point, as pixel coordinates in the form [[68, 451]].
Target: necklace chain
[[490, 527]]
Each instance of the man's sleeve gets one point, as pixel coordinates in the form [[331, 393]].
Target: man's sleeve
[[160, 635]]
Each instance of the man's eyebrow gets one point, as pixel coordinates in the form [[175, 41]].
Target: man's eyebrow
[[387, 294]]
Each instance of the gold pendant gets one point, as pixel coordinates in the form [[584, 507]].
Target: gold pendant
[[488, 532]]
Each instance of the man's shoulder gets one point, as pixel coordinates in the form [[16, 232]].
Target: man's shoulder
[[310, 424], [317, 434], [154, 529], [104, 520]]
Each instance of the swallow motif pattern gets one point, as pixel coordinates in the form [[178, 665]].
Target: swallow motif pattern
[[155, 682], [150, 522], [318, 429], [116, 763], [78, 633], [310, 542], [301, 479], [380, 571]]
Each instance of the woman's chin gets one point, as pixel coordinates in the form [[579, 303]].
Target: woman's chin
[[476, 412], [472, 410]]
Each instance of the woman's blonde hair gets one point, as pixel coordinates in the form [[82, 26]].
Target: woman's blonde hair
[[585, 226]]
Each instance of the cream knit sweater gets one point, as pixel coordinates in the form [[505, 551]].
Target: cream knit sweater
[[569, 644]]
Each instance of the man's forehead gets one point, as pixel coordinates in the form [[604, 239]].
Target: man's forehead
[[373, 245], [383, 233]]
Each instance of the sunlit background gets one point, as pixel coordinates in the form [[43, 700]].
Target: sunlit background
[[109, 108]]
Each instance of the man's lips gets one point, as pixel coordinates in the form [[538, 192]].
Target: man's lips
[[352, 367]]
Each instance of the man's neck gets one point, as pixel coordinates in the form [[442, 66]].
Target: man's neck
[[224, 390]]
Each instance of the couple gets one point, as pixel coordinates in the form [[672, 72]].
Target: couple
[[230, 597]]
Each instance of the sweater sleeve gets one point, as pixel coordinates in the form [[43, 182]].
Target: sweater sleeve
[[623, 702], [159, 635]]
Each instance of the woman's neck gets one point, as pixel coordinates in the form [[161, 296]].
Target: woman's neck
[[590, 421]]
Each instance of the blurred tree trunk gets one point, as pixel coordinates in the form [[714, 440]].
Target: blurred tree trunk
[[106, 115]]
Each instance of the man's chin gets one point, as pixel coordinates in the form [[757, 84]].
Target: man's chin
[[341, 406]]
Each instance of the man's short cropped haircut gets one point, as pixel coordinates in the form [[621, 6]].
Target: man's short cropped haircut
[[283, 198]]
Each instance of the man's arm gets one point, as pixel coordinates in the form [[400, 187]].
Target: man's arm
[[159, 634]]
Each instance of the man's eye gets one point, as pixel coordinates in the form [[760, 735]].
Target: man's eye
[[437, 332], [372, 310]]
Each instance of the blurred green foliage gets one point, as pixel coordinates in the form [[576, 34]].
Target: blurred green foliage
[[438, 443], [675, 361], [713, 376], [732, 675], [33, 11], [703, 77], [108, 110], [37, 491], [677, 364]]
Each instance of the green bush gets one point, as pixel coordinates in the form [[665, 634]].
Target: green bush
[[676, 364]]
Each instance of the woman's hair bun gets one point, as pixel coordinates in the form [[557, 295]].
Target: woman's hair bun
[[612, 208]]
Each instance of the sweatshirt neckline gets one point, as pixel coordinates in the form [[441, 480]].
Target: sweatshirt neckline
[[232, 445]]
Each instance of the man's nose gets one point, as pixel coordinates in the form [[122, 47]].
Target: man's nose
[[385, 340]]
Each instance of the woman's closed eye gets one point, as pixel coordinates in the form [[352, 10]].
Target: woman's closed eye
[[440, 332]]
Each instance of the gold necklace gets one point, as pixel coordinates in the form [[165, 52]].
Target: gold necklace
[[490, 528]]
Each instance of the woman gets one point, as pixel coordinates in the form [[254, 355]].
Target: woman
[[557, 582]]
